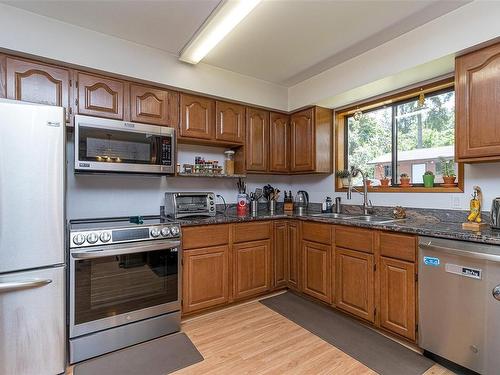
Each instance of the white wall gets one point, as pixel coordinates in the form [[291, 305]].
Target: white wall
[[469, 25], [487, 176], [42, 36]]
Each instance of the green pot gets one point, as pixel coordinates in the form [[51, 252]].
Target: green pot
[[428, 180]]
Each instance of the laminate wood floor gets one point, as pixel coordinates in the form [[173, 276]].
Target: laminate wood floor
[[253, 339]]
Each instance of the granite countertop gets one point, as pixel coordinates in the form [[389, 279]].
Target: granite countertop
[[432, 223]]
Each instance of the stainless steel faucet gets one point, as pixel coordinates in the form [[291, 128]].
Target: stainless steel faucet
[[367, 204]]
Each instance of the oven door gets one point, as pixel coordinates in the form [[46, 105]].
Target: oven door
[[117, 284], [103, 145]]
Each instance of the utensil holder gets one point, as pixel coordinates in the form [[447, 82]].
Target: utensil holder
[[254, 207], [272, 206]]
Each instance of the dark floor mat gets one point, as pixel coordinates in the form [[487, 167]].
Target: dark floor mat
[[375, 351], [157, 357]]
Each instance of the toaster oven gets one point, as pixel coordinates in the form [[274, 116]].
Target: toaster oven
[[181, 205]]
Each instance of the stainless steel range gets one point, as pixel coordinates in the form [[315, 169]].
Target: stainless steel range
[[125, 283]]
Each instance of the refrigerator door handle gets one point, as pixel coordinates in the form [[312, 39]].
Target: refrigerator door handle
[[11, 286]]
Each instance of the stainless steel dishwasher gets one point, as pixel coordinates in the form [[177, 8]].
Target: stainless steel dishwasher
[[459, 302]]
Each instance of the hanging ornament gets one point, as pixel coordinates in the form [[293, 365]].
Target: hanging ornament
[[421, 100], [358, 115]]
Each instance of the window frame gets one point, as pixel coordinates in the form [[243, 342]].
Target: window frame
[[401, 97]]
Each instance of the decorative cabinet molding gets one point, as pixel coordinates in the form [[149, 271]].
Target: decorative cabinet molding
[[317, 270], [477, 90], [37, 83], [230, 122], [153, 106], [100, 96]]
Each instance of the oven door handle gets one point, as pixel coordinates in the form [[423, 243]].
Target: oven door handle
[[101, 253]]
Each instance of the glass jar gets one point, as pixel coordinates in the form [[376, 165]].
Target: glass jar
[[229, 162]]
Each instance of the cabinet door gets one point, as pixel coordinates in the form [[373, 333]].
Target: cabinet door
[[279, 142], [293, 260], [257, 140], [37, 83], [230, 122], [252, 268], [397, 296], [205, 278], [153, 106], [302, 142], [316, 270], [280, 253], [477, 97], [197, 117], [355, 283], [100, 96]]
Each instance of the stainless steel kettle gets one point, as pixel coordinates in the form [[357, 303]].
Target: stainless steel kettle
[[495, 213], [302, 201]]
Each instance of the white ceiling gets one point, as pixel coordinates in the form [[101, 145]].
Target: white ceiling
[[283, 42]]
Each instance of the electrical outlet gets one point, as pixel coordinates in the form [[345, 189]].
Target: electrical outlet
[[455, 201]]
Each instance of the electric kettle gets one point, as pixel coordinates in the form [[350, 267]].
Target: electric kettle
[[495, 213], [301, 201]]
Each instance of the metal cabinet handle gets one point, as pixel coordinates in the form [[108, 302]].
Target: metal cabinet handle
[[18, 285], [496, 292]]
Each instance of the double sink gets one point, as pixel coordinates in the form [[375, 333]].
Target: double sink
[[366, 218]]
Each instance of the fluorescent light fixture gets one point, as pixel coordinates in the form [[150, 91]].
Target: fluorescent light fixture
[[225, 19]]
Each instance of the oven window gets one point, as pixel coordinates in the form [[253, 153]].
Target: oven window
[[116, 285], [116, 146]]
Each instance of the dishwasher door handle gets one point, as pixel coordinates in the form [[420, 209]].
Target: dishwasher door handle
[[460, 252]]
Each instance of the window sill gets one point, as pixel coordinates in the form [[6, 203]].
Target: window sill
[[411, 189]]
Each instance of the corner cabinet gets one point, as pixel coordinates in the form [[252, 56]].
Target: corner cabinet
[[197, 119], [100, 96], [477, 90], [257, 144], [311, 141], [37, 83]]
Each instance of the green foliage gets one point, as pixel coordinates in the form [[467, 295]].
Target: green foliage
[[343, 173], [448, 167], [404, 175], [429, 173]]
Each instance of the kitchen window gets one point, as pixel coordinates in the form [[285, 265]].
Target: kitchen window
[[407, 133]]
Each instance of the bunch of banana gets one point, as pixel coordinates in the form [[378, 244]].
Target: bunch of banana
[[475, 206]]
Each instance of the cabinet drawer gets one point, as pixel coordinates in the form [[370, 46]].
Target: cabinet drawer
[[354, 238], [398, 246], [316, 232], [246, 232], [205, 236]]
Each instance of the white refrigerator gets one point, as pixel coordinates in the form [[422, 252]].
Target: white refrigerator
[[32, 258]]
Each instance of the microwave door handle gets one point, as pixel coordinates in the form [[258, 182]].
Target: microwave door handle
[[100, 253]]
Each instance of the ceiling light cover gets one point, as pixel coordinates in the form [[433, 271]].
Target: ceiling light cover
[[217, 27]]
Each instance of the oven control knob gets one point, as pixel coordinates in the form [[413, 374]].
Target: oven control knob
[[92, 237], [105, 236], [79, 239], [174, 231], [165, 232], [155, 232]]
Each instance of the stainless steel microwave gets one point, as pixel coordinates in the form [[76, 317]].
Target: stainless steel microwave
[[103, 145]]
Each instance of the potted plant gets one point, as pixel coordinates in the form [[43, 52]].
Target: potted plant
[[404, 179], [384, 181], [449, 175], [428, 179], [343, 174]]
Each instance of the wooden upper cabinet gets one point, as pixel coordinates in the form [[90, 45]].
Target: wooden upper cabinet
[[311, 146], [257, 140], [279, 142], [37, 83], [398, 297], [354, 283], [197, 118], [153, 105], [230, 122], [100, 96], [477, 78]]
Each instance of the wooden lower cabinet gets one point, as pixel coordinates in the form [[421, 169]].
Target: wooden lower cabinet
[[252, 268], [398, 297], [293, 259], [280, 253], [205, 278], [316, 261], [355, 284]]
